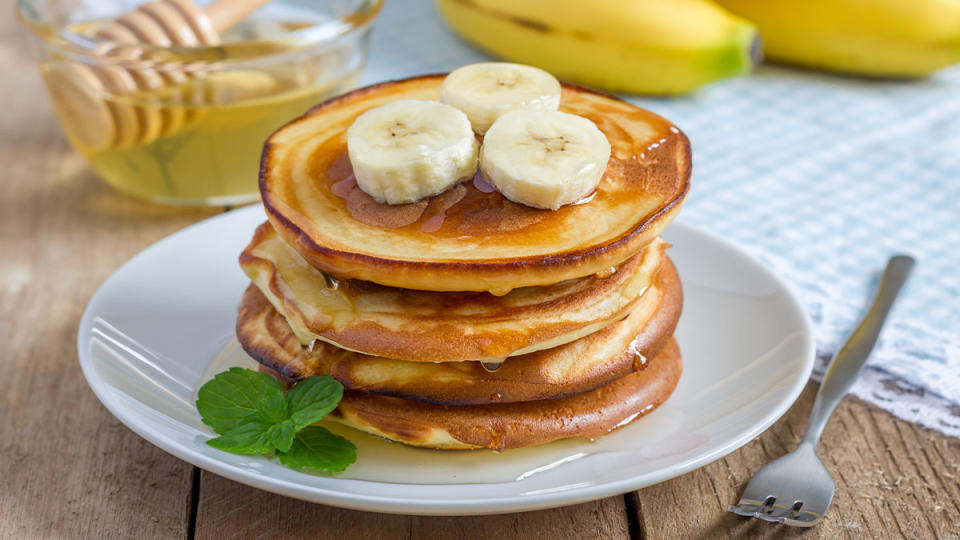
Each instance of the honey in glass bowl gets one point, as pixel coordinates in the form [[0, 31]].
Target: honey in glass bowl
[[189, 124]]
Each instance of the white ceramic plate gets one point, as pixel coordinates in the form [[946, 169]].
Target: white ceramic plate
[[164, 323]]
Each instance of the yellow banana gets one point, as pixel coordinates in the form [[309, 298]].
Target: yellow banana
[[638, 46], [891, 38]]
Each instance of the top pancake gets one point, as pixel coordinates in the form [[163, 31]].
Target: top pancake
[[469, 238]]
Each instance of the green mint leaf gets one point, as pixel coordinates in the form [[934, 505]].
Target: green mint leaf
[[313, 398], [250, 436], [227, 399], [253, 416], [273, 407], [315, 448], [281, 435]]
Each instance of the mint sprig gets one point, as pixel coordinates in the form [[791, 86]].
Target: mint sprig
[[233, 395], [317, 448], [253, 415]]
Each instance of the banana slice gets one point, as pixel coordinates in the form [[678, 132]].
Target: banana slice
[[544, 159], [487, 90], [410, 149]]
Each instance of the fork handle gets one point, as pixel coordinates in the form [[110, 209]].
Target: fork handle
[[849, 360]]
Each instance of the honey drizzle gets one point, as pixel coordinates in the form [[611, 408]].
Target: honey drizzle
[[483, 210], [639, 360], [434, 223], [481, 184], [491, 367], [343, 188], [380, 460]]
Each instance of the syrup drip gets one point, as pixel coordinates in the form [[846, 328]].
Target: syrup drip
[[332, 282], [482, 185], [656, 144], [639, 360], [380, 460], [490, 367], [440, 204], [626, 421], [434, 223], [585, 200], [497, 441], [603, 274], [632, 417], [343, 188]]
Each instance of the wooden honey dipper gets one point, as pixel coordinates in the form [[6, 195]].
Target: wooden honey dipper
[[78, 89]]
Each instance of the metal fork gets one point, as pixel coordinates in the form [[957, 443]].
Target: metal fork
[[797, 489]]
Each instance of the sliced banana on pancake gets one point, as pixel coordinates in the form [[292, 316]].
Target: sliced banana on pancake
[[410, 149], [487, 90], [544, 159], [485, 242]]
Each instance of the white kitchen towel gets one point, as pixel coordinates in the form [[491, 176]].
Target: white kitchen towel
[[821, 177]]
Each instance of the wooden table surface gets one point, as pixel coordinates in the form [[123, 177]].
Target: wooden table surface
[[68, 469]]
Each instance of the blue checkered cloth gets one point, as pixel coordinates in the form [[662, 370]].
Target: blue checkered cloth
[[821, 177]]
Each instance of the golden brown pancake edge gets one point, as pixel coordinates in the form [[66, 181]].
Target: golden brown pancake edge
[[574, 368], [666, 172], [503, 426], [430, 326]]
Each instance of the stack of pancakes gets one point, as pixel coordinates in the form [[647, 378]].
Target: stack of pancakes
[[466, 320]]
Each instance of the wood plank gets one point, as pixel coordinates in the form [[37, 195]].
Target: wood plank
[[230, 510], [69, 469], [893, 479]]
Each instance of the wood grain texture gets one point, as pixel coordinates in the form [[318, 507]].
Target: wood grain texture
[[893, 480], [229, 510], [69, 469]]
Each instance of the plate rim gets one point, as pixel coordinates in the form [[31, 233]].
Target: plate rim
[[437, 505]]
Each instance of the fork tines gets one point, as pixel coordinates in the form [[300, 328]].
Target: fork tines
[[768, 510]]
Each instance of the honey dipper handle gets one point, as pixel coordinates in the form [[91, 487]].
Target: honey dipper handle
[[224, 14]]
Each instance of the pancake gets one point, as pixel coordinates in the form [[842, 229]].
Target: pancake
[[426, 326], [503, 426], [469, 238], [580, 366]]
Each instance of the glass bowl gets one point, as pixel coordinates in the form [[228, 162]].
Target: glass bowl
[[183, 123]]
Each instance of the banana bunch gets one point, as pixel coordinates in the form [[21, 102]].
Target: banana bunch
[[889, 38], [638, 46], [675, 46], [532, 153]]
